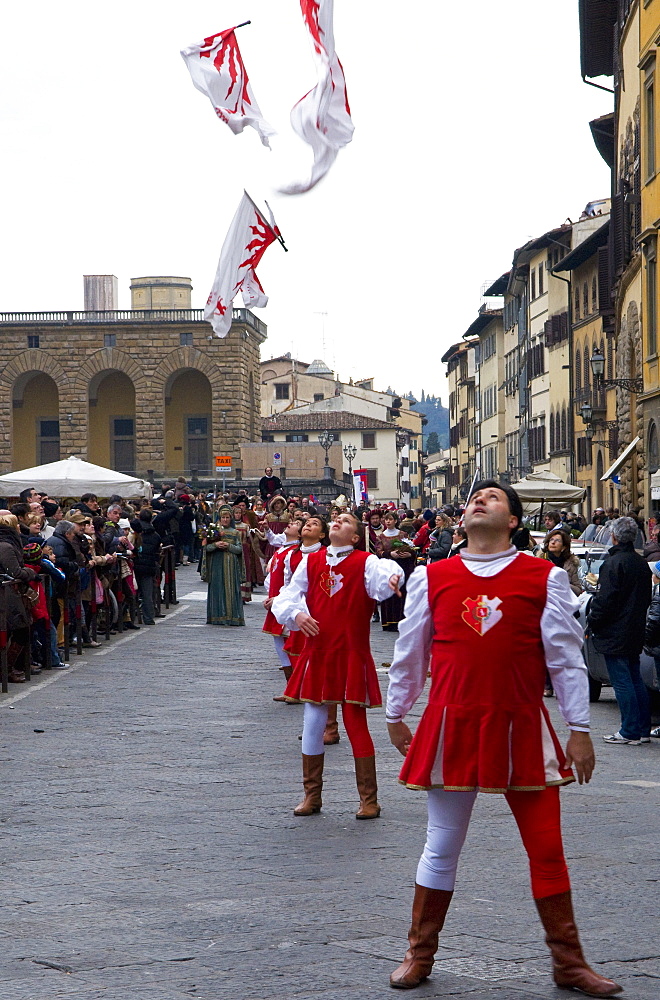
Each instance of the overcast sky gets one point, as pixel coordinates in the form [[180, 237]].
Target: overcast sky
[[471, 135]]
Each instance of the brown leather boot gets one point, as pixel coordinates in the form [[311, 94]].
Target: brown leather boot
[[331, 731], [287, 671], [16, 675], [365, 776], [428, 917], [569, 968], [312, 783]]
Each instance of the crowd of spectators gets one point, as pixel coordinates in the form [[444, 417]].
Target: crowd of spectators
[[62, 561]]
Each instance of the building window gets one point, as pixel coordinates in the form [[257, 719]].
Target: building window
[[197, 439], [594, 294], [564, 430], [649, 131], [541, 279], [109, 339], [297, 437], [33, 340], [372, 479], [185, 339], [369, 440], [533, 276], [318, 396], [281, 390], [123, 444], [552, 433], [585, 299], [610, 357], [577, 303], [652, 297], [49, 441], [267, 437]]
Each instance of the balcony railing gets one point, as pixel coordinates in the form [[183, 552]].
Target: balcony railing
[[115, 316]]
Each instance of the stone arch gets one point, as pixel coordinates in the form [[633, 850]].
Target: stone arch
[[32, 361], [109, 358], [185, 357]]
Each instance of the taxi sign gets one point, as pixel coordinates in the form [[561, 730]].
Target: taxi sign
[[223, 461]]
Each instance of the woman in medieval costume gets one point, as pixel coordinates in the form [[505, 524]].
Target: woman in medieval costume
[[222, 568]]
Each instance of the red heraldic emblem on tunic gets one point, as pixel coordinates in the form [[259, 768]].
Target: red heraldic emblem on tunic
[[336, 665], [481, 613], [485, 726]]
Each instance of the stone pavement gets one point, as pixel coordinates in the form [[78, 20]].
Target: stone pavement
[[150, 851]]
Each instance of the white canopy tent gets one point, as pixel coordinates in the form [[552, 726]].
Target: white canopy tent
[[539, 490], [70, 477]]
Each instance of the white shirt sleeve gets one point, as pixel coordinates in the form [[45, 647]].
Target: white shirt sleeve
[[562, 644], [291, 599], [377, 573], [275, 540], [412, 650]]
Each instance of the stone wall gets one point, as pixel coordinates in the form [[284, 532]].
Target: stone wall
[[150, 353]]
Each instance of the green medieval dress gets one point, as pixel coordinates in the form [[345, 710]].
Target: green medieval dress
[[223, 571]]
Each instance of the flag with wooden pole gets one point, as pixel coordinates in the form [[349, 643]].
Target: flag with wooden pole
[[247, 240]]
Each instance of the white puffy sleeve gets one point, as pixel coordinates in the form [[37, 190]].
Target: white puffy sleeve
[[562, 643], [412, 650], [291, 599], [377, 573], [275, 540]]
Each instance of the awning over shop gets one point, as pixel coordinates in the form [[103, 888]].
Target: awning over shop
[[621, 460]]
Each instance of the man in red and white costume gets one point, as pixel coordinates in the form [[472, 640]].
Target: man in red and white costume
[[278, 575], [330, 600], [491, 621]]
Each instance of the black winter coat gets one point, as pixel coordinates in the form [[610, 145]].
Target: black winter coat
[[440, 546], [66, 559], [11, 563], [146, 557], [652, 633], [617, 613]]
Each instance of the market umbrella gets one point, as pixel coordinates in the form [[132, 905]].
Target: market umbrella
[[70, 477], [542, 489]]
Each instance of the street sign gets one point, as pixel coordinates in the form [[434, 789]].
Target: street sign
[[277, 456], [223, 462]]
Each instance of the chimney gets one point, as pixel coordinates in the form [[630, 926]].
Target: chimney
[[100, 292]]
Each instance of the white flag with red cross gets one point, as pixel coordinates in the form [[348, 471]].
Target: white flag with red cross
[[322, 118], [248, 238], [217, 70]]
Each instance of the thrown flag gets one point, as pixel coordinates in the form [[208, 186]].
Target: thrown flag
[[322, 118], [248, 238], [217, 70]]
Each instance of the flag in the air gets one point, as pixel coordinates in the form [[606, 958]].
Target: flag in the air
[[322, 117], [217, 70], [248, 238]]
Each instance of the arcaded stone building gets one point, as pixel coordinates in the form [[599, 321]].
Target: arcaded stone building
[[144, 390]]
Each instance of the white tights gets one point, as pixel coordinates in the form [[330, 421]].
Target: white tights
[[314, 720], [449, 818], [282, 655]]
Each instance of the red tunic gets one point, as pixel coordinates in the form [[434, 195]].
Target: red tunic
[[275, 584], [336, 665], [485, 726]]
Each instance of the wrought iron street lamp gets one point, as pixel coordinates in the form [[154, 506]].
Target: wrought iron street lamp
[[597, 362], [586, 412], [350, 451], [325, 440]]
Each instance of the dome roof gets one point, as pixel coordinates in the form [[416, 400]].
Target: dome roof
[[318, 367]]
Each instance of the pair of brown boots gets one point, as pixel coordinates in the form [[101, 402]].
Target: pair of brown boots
[[365, 777], [570, 970]]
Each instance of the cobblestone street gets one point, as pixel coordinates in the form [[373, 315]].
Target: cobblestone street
[[150, 851]]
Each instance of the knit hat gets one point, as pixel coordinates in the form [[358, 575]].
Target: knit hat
[[33, 552]]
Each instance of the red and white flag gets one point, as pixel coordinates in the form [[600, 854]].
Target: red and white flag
[[322, 117], [217, 70], [248, 238]]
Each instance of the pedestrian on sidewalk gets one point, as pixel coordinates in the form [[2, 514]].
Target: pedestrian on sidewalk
[[492, 620], [221, 567], [146, 562], [617, 622], [330, 600]]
